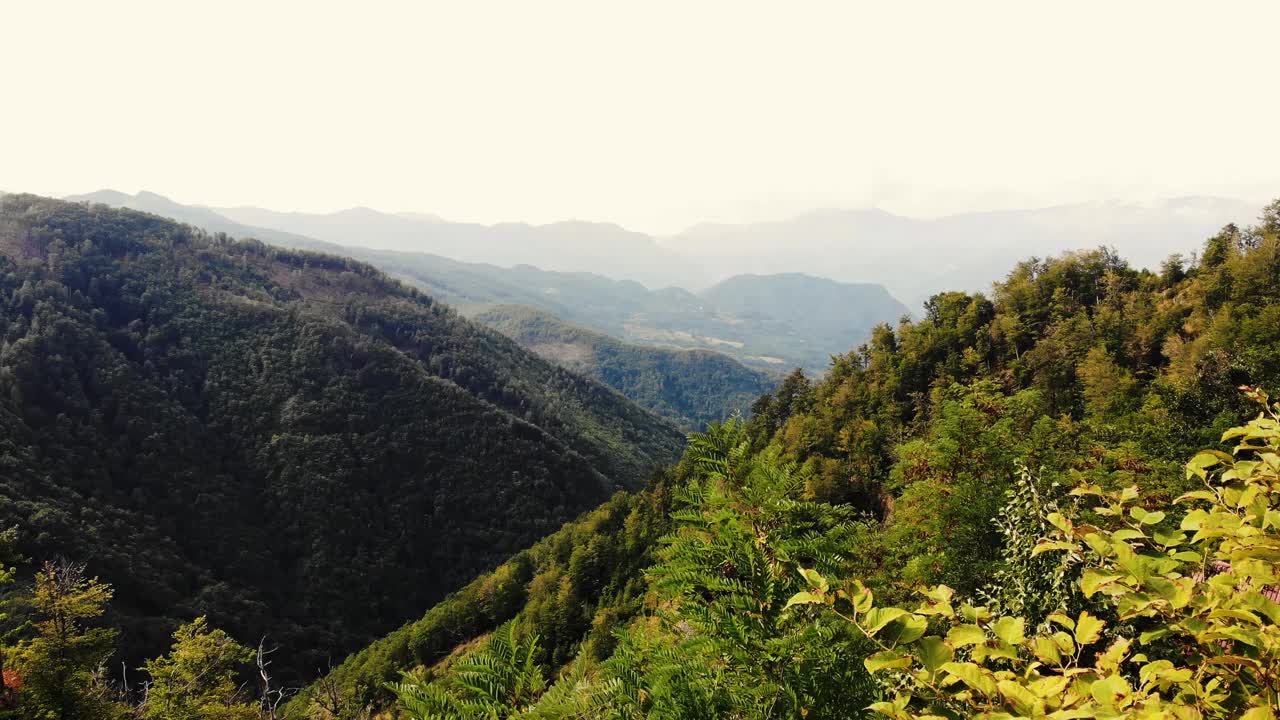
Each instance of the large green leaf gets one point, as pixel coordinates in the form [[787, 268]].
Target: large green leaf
[[962, 635], [933, 653]]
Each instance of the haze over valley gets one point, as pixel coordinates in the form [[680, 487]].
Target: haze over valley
[[731, 289]]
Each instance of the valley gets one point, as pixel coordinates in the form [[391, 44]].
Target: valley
[[580, 360]]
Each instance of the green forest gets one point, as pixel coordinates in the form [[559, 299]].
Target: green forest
[[688, 387], [286, 443], [243, 482]]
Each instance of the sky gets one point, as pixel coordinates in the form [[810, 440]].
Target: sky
[[655, 115]]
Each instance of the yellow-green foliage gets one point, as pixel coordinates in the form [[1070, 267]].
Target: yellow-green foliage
[[1195, 596], [59, 666], [197, 679]]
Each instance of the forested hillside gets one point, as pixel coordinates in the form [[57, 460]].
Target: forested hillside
[[288, 443], [1064, 405], [689, 387], [770, 322]]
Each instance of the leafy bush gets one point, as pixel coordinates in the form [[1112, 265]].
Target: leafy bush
[[1202, 591]]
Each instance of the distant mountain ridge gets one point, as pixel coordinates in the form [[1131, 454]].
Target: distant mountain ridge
[[913, 258], [567, 246], [790, 331], [787, 332]]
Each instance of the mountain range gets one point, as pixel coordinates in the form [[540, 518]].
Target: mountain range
[[769, 322], [912, 257], [915, 258]]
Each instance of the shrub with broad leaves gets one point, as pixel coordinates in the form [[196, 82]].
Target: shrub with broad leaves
[[1192, 587]]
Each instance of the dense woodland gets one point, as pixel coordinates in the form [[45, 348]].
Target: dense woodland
[[1000, 510], [937, 455], [688, 387], [287, 443]]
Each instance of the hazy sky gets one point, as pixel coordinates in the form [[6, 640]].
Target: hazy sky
[[651, 114]]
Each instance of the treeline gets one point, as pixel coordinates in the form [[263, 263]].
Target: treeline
[[939, 455]]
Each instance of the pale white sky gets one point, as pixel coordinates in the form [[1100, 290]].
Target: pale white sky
[[652, 114]]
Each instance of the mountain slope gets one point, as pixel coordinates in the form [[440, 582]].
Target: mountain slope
[[938, 448], [286, 442], [688, 387], [805, 314], [728, 318]]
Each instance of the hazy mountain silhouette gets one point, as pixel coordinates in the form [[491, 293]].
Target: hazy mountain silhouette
[[913, 258], [792, 330], [570, 246], [916, 258]]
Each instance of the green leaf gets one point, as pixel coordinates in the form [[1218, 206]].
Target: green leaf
[[1046, 651], [1088, 628], [962, 635], [906, 630], [1109, 689], [814, 579], [887, 660], [1202, 461], [1010, 630], [804, 598], [1092, 580], [933, 653], [1156, 634], [1271, 519], [1065, 644], [885, 708], [1172, 538], [1062, 620], [877, 618], [1047, 546], [1059, 521], [940, 594], [1196, 495], [1023, 700], [1194, 520], [973, 676], [861, 598]]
